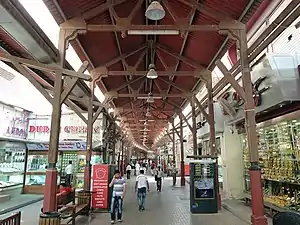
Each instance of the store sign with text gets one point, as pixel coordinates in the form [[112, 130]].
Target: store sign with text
[[65, 129], [100, 187], [71, 128], [13, 123], [236, 101]]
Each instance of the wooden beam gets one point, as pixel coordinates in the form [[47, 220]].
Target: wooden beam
[[127, 27], [41, 66], [231, 79], [114, 94]]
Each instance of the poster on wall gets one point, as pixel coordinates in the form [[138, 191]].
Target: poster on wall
[[187, 170], [100, 187]]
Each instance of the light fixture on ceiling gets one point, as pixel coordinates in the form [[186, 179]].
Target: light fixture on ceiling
[[152, 74], [148, 113], [153, 32], [155, 11]]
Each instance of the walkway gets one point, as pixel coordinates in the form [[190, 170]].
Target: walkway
[[170, 207]]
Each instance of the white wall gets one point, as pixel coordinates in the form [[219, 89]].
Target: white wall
[[233, 168]]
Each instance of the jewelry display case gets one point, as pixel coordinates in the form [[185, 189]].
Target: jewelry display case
[[279, 157], [12, 164]]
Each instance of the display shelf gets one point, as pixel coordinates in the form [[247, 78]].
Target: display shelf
[[279, 158]]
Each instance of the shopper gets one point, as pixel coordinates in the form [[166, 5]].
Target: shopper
[[69, 174], [128, 171], [141, 187], [174, 174], [286, 218], [119, 189], [137, 168], [158, 178]]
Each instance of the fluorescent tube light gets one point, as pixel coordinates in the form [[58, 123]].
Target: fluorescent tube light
[[153, 32]]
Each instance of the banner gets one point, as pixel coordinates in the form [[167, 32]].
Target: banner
[[187, 170], [100, 187]]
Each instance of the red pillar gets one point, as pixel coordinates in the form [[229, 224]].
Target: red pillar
[[49, 204]]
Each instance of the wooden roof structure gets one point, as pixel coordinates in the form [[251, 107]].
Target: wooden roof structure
[[179, 59], [182, 61]]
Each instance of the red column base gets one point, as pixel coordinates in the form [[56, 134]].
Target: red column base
[[49, 204], [262, 220], [182, 180], [258, 217], [219, 201]]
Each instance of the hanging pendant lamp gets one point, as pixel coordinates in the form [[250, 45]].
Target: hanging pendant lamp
[[155, 11], [152, 74]]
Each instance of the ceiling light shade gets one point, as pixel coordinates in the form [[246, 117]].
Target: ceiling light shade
[[148, 114], [155, 11], [152, 74]]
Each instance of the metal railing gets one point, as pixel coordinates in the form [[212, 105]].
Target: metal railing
[[14, 219]]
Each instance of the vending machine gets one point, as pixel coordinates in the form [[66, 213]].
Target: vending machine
[[203, 185]]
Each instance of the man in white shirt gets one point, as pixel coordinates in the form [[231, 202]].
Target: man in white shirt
[[137, 168], [128, 171], [69, 174], [141, 187]]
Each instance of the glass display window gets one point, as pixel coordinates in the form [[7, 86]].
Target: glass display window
[[38, 162], [279, 158], [36, 178], [12, 163]]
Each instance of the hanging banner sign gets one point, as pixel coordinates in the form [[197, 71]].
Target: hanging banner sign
[[100, 187]]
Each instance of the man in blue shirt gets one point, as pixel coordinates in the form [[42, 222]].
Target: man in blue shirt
[[119, 189]]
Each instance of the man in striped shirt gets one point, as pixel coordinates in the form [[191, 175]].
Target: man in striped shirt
[[119, 189]]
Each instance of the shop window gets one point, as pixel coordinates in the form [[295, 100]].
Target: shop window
[[279, 157], [12, 165]]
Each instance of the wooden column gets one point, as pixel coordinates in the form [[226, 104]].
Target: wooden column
[[211, 114], [173, 145], [212, 133], [194, 127], [89, 141], [258, 217], [182, 180], [49, 204]]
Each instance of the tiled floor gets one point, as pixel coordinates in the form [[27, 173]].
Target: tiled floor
[[170, 207]]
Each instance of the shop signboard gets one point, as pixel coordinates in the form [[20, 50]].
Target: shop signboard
[[13, 123], [63, 146], [72, 128], [100, 187]]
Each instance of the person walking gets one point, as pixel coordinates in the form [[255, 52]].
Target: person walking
[[69, 174], [119, 189], [158, 178], [128, 171], [137, 168], [174, 174], [141, 187]]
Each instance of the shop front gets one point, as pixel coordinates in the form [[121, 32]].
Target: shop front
[[74, 151], [13, 134], [277, 98], [72, 147]]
